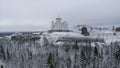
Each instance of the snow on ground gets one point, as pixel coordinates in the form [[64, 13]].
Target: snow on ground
[[109, 36], [110, 39], [53, 37], [68, 34]]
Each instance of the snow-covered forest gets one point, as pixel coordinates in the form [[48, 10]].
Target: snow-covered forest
[[43, 52]]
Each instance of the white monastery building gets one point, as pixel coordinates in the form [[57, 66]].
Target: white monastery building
[[59, 25]]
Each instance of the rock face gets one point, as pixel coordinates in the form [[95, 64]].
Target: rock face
[[43, 54]]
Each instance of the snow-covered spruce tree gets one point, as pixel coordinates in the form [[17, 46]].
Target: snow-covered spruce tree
[[50, 61], [82, 59], [7, 55], [2, 53], [116, 52], [95, 58], [68, 63]]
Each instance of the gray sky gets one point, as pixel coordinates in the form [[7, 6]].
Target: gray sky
[[31, 15]]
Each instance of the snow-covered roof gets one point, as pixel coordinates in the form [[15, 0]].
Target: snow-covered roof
[[102, 31], [64, 34]]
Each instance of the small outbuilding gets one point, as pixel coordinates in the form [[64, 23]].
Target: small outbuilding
[[84, 31]]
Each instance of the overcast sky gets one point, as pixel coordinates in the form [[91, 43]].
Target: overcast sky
[[34, 15]]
